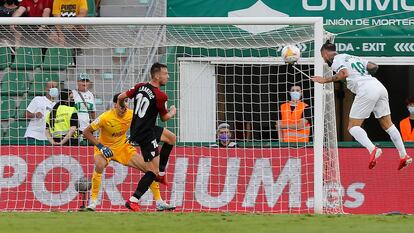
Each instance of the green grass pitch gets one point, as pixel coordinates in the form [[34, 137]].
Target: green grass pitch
[[11, 222]]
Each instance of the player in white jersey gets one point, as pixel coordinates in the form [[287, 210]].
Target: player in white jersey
[[371, 96]]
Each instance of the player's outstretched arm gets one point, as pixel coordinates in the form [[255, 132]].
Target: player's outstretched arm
[[171, 113], [341, 75], [372, 68]]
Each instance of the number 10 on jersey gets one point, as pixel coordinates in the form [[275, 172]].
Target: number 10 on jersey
[[141, 106]]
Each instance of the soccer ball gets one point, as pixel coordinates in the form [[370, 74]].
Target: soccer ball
[[290, 54], [83, 185]]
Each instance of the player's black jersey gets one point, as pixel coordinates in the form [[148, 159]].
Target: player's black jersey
[[148, 102]]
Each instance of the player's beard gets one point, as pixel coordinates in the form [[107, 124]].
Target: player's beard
[[329, 62]]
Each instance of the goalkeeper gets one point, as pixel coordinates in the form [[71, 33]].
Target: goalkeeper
[[112, 145]]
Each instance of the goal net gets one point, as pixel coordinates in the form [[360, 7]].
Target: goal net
[[229, 85]]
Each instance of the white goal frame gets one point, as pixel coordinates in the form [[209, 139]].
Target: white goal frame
[[317, 22]]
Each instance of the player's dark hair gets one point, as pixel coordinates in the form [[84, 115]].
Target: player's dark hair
[[156, 67], [409, 100], [115, 98], [328, 46]]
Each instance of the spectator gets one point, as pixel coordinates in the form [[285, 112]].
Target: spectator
[[34, 8], [407, 124], [8, 8], [224, 137], [62, 121], [293, 126], [70, 8], [84, 102], [36, 111]]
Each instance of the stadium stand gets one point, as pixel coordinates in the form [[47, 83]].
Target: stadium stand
[[57, 59], [5, 58], [8, 108], [37, 86], [14, 84], [27, 58]]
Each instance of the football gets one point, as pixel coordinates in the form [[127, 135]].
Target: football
[[290, 54]]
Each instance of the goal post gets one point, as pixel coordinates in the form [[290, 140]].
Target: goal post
[[222, 70]]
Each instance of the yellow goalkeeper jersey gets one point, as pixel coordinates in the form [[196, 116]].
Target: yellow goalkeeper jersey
[[112, 128]]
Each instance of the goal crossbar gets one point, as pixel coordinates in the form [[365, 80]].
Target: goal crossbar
[[161, 20]]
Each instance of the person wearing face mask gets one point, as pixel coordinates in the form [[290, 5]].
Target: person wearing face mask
[[293, 127], [224, 137], [37, 110], [62, 121], [407, 124]]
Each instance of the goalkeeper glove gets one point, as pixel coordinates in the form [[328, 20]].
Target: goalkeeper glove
[[107, 153]]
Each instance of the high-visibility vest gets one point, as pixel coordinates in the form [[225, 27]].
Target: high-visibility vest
[[294, 117], [407, 132], [61, 124]]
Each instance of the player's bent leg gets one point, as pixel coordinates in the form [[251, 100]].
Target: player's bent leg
[[100, 164], [168, 137], [137, 162], [389, 127], [169, 140], [354, 128]]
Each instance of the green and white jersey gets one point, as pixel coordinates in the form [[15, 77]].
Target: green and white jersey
[[357, 70], [83, 111]]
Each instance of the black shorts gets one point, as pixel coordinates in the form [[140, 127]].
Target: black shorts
[[149, 148]]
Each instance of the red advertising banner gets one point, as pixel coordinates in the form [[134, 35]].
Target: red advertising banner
[[277, 180]]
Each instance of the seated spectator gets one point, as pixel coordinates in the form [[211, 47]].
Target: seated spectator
[[293, 126], [34, 8], [224, 137], [62, 121], [407, 124], [8, 8], [70, 8], [37, 110]]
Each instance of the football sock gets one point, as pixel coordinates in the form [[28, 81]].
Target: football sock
[[397, 140], [361, 136], [96, 184], [164, 155], [155, 189], [144, 184]]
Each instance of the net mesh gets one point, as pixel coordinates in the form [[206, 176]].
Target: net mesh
[[218, 74]]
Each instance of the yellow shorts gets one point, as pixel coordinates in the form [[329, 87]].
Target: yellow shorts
[[122, 154]]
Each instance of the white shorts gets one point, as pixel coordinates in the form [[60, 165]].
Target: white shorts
[[371, 97]]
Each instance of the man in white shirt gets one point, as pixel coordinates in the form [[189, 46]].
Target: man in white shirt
[[371, 96], [84, 102], [37, 110]]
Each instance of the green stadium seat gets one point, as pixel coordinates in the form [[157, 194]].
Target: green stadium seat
[[27, 58], [91, 8], [14, 83], [8, 108], [5, 58], [37, 87], [21, 110], [57, 59], [16, 130]]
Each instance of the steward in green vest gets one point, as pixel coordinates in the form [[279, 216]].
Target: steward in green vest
[[62, 121]]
